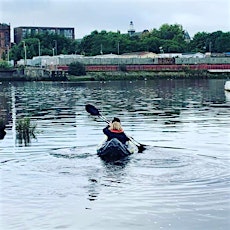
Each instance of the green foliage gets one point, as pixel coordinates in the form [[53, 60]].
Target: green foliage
[[223, 42], [5, 65], [47, 42], [200, 42], [216, 42], [24, 125], [25, 130], [169, 37], [123, 68], [77, 69]]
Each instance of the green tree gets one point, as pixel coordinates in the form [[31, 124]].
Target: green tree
[[169, 37], [223, 42], [48, 43], [200, 42]]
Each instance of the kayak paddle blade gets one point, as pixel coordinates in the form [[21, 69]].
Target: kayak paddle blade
[[141, 148], [92, 110]]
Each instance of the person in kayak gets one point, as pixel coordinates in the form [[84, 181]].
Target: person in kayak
[[115, 130]]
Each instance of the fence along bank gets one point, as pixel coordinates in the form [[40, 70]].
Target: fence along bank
[[117, 63]]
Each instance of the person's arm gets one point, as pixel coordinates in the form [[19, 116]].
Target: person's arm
[[106, 130], [127, 139]]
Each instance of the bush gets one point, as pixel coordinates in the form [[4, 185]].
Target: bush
[[123, 68], [77, 69], [4, 65]]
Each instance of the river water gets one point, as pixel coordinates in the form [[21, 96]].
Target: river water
[[180, 182]]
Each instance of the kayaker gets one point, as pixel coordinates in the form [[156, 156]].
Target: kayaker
[[115, 130]]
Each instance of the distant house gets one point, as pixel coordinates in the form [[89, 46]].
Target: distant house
[[132, 32]]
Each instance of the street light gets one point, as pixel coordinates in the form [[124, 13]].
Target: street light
[[101, 52], [8, 54], [118, 48], [39, 52], [39, 48], [55, 64], [55, 41], [161, 49], [210, 47], [24, 45]]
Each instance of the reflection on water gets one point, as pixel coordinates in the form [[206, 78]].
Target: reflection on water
[[181, 181]]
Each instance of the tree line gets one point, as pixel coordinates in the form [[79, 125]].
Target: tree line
[[167, 39]]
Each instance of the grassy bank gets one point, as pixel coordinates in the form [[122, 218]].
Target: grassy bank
[[109, 76], [120, 75]]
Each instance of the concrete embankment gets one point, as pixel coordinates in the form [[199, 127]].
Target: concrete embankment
[[32, 74]]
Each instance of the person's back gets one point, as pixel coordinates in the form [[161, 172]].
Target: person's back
[[114, 130]]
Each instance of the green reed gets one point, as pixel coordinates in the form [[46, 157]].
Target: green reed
[[25, 130]]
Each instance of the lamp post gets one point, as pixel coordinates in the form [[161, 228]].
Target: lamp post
[[210, 47], [39, 48], [24, 46], [55, 42], [8, 54], [161, 49], [118, 48], [39, 52], [101, 52], [54, 59]]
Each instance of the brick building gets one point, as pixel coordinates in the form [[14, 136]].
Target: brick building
[[5, 43], [23, 31]]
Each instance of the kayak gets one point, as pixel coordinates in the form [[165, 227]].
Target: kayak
[[115, 150]]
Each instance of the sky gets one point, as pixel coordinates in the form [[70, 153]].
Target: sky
[[115, 15]]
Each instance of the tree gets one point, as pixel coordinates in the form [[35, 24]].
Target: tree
[[169, 37], [223, 42], [47, 44], [200, 42]]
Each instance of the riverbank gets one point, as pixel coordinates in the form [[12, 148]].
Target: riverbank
[[118, 75], [109, 76], [32, 74]]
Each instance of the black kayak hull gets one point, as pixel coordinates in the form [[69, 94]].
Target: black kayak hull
[[113, 150]]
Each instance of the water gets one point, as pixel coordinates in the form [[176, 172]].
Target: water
[[57, 182]]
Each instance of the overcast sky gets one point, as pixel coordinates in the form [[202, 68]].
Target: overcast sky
[[113, 15]]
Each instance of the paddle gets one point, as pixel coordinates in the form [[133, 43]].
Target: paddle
[[95, 112]]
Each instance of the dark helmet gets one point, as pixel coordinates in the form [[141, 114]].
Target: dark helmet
[[116, 119]]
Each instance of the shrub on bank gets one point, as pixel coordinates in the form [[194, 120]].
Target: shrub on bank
[[77, 69], [5, 65]]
